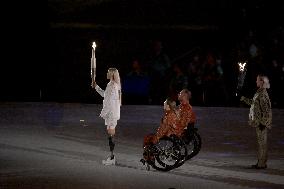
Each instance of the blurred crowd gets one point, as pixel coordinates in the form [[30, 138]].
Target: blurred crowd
[[210, 73]]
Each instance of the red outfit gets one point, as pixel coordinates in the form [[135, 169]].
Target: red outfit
[[172, 123], [168, 124], [186, 116], [167, 127]]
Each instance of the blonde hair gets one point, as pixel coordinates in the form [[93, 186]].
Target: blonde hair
[[265, 80], [188, 93], [115, 76]]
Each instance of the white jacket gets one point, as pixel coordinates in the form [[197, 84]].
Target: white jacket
[[111, 102]]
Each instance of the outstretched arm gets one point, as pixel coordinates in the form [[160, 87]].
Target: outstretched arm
[[246, 100], [98, 89]]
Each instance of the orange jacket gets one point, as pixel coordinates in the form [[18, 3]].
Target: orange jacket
[[168, 124], [186, 116], [172, 123]]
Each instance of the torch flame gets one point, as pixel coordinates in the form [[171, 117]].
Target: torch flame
[[94, 45], [242, 66]]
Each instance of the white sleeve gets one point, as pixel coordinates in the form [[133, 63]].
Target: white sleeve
[[100, 91]]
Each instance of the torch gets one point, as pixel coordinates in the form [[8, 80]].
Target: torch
[[241, 76], [93, 63]]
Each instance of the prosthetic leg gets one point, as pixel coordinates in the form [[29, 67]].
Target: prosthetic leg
[[111, 146], [111, 159]]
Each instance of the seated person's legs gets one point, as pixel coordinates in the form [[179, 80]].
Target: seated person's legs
[[149, 141]]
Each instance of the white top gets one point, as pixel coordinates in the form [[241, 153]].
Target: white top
[[111, 102]]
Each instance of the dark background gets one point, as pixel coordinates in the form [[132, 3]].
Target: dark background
[[53, 63]]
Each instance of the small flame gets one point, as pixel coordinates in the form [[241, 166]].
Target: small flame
[[94, 45], [242, 66]]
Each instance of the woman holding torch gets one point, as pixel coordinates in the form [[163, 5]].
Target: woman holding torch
[[111, 103], [111, 108]]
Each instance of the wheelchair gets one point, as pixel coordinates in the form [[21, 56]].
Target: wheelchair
[[171, 152]]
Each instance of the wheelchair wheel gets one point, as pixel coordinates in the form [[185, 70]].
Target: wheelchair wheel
[[168, 154], [199, 143], [193, 144], [183, 151]]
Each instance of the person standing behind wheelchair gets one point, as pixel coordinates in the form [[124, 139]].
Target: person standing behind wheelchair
[[186, 116], [260, 117]]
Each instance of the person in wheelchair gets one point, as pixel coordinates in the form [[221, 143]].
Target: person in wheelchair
[[174, 121], [167, 125]]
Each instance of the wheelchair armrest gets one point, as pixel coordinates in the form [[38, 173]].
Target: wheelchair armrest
[[191, 127]]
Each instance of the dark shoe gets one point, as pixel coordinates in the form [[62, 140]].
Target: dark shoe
[[143, 161], [258, 167]]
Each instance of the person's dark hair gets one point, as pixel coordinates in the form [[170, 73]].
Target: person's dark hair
[[171, 103]]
